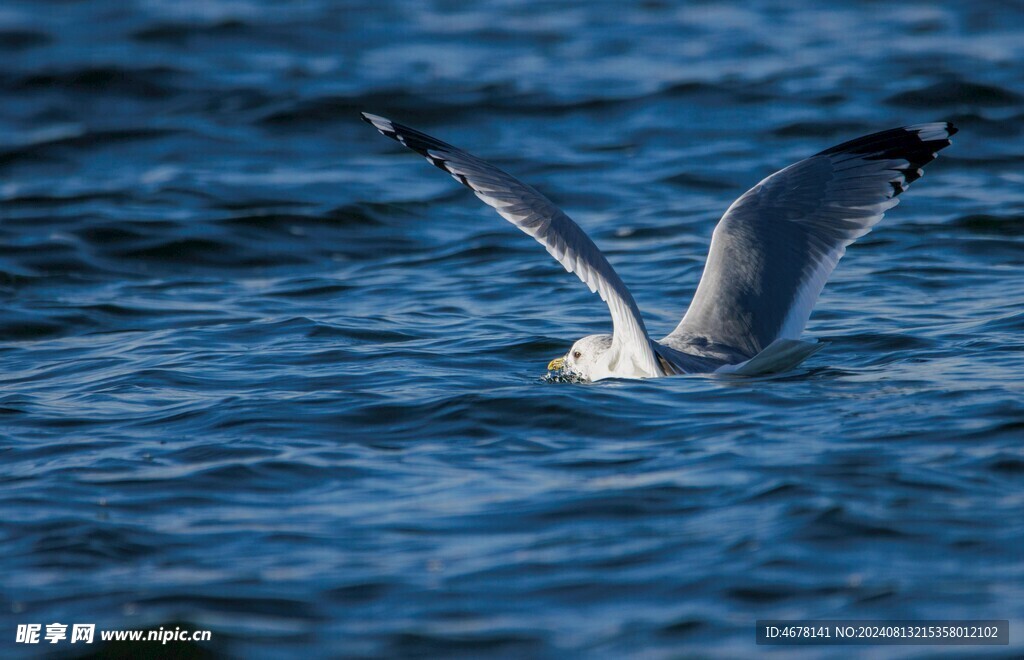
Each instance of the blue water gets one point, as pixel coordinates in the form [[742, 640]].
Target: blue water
[[264, 372]]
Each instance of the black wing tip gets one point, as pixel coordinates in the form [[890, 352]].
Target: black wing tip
[[412, 139], [931, 139], [932, 136], [384, 125], [917, 144], [938, 131]]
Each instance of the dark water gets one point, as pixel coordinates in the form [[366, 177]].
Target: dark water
[[266, 373]]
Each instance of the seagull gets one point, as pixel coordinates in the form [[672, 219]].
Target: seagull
[[770, 254]]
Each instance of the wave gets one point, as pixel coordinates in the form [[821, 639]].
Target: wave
[[955, 93], [154, 82], [180, 34], [14, 39], [54, 148], [505, 98], [991, 225]]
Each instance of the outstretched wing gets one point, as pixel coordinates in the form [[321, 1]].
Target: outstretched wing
[[534, 214], [775, 247]]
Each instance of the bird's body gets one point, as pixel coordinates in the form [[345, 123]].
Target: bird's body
[[770, 254]]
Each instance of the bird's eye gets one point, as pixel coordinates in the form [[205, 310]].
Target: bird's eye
[[577, 354]]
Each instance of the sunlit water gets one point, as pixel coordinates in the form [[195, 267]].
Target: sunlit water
[[265, 372]]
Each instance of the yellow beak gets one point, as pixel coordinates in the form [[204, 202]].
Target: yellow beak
[[556, 364]]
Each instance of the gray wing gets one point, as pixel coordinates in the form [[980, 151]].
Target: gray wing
[[537, 216], [775, 247]]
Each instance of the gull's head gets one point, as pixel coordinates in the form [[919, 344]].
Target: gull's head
[[587, 359]]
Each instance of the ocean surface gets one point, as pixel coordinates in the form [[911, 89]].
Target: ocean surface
[[264, 372]]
